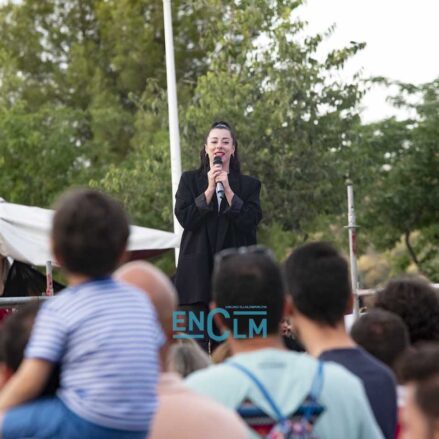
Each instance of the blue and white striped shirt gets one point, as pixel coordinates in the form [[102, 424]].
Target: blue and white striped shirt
[[106, 337]]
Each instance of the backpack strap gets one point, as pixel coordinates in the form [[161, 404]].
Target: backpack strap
[[316, 388], [263, 390], [317, 382]]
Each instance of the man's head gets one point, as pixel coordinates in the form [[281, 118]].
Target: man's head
[[417, 303], [383, 334], [16, 331], [317, 277], [89, 233], [158, 287], [249, 279], [419, 370]]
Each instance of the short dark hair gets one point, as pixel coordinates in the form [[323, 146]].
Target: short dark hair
[[416, 302], [317, 277], [235, 165], [421, 366], [250, 280], [383, 334], [90, 232], [16, 332]]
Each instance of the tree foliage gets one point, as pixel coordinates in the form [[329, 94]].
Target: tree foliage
[[402, 200], [83, 101], [292, 114], [83, 66]]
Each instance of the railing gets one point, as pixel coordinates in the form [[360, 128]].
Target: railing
[[372, 291], [13, 302]]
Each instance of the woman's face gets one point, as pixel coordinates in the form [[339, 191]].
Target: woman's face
[[220, 143]]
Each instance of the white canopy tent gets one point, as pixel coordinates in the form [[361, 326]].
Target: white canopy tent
[[24, 235]]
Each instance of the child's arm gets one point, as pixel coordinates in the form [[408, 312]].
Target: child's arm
[[26, 384]]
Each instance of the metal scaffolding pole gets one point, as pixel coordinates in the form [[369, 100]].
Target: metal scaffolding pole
[[49, 279], [13, 302], [352, 228]]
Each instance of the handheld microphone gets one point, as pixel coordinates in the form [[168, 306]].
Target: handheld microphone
[[219, 186]]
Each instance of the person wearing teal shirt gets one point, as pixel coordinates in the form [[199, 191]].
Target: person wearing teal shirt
[[247, 278]]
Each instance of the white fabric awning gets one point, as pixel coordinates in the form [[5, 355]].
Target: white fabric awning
[[25, 230]]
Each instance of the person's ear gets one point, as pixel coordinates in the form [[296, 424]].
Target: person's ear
[[57, 259], [288, 306], [293, 308], [350, 304], [123, 258], [217, 318]]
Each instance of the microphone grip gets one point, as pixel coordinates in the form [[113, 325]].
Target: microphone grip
[[219, 186]]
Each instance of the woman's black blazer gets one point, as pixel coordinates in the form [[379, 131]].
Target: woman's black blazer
[[208, 230]]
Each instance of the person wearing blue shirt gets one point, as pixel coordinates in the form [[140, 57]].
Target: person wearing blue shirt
[[103, 334], [318, 280]]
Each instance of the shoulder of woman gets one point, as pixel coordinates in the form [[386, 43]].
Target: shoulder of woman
[[188, 175], [250, 180]]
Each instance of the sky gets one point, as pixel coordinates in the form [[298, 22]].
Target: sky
[[402, 39]]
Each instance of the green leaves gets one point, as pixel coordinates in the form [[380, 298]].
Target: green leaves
[[291, 115], [83, 101], [402, 181], [39, 154]]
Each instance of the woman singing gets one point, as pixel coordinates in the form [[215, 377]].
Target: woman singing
[[214, 217]]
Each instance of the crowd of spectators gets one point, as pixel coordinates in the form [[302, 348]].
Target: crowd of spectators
[[101, 360]]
